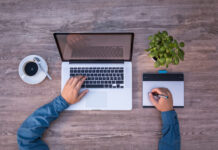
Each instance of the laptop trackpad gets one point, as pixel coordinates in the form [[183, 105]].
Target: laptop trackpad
[[96, 100]]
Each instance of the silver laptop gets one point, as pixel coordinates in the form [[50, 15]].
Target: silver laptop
[[105, 58]]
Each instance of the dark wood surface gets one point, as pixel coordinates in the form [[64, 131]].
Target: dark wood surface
[[26, 28]]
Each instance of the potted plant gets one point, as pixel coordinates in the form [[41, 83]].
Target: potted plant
[[165, 50]]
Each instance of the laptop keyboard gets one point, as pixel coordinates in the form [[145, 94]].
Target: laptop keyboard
[[100, 77]]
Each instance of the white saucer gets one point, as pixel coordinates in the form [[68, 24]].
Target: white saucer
[[38, 77]]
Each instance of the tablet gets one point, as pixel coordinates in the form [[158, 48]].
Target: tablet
[[174, 82]]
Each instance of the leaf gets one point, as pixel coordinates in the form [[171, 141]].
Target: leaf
[[166, 45], [165, 55], [154, 49], [181, 54], [164, 33], [147, 50], [157, 38], [162, 49], [173, 53], [172, 45], [181, 44], [151, 44], [162, 61], [176, 60], [168, 60], [152, 54], [161, 54], [171, 38], [150, 37], [156, 64], [175, 44]]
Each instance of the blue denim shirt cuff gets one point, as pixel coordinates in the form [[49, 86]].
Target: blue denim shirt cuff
[[60, 103], [169, 117]]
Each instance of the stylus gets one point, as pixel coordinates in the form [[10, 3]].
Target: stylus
[[159, 95]]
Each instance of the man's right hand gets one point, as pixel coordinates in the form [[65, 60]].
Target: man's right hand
[[162, 104]]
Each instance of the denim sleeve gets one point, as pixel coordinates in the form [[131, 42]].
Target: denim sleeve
[[30, 132], [170, 139]]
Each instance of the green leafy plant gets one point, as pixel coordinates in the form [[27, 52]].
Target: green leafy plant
[[165, 49]]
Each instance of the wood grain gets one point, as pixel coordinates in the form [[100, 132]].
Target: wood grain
[[26, 28]]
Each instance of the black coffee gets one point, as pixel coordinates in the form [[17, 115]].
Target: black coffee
[[31, 68]]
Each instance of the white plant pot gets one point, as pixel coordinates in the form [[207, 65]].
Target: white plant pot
[[154, 59]]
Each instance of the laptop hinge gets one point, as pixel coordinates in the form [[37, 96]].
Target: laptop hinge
[[95, 61]]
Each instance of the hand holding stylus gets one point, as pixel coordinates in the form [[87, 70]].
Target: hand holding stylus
[[165, 102]]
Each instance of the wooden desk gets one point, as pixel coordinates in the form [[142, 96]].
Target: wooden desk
[[26, 28]]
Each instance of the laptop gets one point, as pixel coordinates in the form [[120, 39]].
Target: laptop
[[105, 58]]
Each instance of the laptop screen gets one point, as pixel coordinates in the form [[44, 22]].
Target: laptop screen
[[94, 46]]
